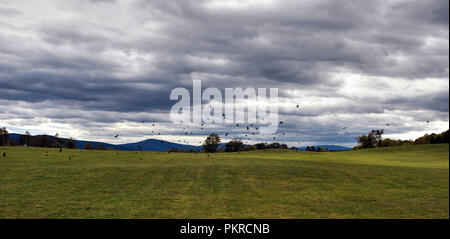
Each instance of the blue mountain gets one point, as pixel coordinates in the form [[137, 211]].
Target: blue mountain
[[145, 145], [157, 145]]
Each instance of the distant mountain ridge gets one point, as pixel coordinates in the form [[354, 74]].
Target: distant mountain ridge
[[145, 145], [156, 145]]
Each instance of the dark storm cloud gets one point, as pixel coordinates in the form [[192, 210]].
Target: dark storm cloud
[[117, 57], [436, 102]]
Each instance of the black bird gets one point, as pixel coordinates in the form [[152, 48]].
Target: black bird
[[387, 124], [248, 128], [298, 106], [428, 121], [226, 134], [237, 125], [116, 135], [4, 154], [281, 122], [344, 128]]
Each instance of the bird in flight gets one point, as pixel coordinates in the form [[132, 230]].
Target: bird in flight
[[116, 135]]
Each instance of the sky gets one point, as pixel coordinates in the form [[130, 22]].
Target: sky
[[90, 69]]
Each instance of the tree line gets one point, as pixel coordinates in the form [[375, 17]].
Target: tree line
[[375, 139], [46, 141], [213, 141]]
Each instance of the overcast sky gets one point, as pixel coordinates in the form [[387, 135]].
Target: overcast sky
[[91, 69]]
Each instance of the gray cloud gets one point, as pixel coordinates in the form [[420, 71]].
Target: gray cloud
[[124, 58]]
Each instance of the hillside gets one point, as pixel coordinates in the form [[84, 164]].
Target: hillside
[[392, 182]]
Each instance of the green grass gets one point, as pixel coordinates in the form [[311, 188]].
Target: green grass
[[396, 182]]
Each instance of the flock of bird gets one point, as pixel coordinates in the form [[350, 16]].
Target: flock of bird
[[251, 129]]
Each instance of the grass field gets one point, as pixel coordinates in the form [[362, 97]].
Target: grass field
[[396, 182]]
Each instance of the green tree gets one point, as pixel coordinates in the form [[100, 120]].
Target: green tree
[[27, 138], [371, 140], [58, 142], [211, 143], [70, 144], [234, 146], [4, 136], [88, 146]]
